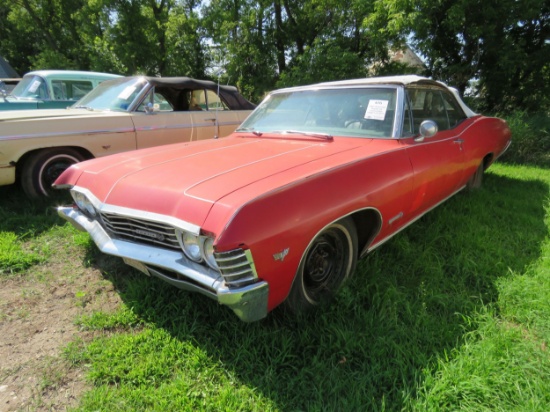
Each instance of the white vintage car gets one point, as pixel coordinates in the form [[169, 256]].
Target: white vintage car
[[119, 115]]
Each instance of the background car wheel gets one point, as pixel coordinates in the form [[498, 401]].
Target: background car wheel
[[42, 169], [477, 178], [327, 263]]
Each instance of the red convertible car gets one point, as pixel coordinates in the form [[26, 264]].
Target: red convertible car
[[280, 211]]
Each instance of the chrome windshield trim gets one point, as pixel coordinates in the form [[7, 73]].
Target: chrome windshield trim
[[135, 213], [398, 117]]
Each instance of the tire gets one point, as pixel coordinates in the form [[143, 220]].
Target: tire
[[42, 168], [326, 264], [477, 178]]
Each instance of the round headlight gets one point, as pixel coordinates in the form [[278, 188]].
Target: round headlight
[[84, 203], [208, 248], [191, 246]]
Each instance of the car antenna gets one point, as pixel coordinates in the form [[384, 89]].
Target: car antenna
[[217, 125]]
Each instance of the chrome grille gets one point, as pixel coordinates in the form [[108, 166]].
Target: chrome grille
[[141, 230], [236, 267]]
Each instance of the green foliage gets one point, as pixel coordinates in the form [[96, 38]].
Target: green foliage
[[123, 318], [530, 139], [503, 44], [325, 62], [261, 44], [21, 228], [13, 258]]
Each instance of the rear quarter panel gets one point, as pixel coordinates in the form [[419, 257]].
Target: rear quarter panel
[[486, 135]]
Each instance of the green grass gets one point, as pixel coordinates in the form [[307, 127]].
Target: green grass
[[451, 314]]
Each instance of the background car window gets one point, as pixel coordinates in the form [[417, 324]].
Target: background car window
[[197, 100], [70, 89], [118, 94], [32, 86], [214, 102]]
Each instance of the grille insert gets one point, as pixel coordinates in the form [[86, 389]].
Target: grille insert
[[141, 230]]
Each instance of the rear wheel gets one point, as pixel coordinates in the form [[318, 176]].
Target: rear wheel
[[326, 264], [43, 167]]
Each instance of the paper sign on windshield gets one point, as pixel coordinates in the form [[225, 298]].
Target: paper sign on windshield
[[127, 92], [34, 86], [376, 109]]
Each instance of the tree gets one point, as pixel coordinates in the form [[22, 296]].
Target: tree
[[153, 37], [501, 43]]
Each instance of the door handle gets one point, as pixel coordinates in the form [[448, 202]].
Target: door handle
[[459, 141]]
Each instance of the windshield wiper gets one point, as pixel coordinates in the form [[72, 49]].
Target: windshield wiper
[[324, 136], [83, 107]]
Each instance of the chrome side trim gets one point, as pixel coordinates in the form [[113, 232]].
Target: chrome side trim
[[396, 217], [76, 132]]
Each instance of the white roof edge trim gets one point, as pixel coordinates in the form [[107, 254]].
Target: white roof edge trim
[[403, 80], [469, 112], [70, 72]]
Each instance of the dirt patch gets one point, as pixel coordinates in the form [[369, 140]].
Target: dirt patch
[[37, 321]]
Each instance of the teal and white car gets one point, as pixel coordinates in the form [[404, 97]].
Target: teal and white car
[[51, 89]]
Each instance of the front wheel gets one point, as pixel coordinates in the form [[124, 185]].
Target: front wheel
[[327, 262], [43, 167]]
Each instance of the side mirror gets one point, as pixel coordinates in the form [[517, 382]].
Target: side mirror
[[428, 128]]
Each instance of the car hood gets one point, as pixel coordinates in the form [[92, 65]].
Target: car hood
[[185, 180]]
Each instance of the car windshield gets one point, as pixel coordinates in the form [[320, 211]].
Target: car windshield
[[31, 87], [114, 95], [355, 112]]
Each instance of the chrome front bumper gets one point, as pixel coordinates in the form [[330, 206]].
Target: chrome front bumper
[[248, 302]]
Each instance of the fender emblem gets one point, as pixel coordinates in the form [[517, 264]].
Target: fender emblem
[[281, 255]]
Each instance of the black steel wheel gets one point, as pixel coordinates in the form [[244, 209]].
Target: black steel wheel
[[42, 168], [326, 264]]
